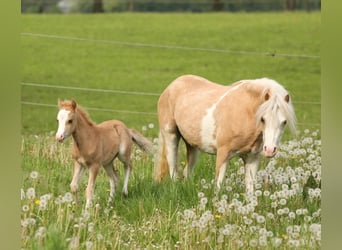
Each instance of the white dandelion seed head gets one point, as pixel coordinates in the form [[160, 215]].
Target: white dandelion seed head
[[31, 193], [34, 175]]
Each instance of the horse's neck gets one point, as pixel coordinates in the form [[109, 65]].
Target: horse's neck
[[84, 132]]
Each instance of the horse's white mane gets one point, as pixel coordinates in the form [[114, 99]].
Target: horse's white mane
[[277, 99]]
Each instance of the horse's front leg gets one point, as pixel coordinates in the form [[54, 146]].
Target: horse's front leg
[[93, 171], [251, 166], [78, 172]]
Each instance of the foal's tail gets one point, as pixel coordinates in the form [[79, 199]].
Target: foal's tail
[[161, 166], [143, 143]]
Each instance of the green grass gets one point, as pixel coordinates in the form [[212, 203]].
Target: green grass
[[94, 64], [186, 214]]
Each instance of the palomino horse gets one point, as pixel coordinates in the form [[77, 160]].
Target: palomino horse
[[95, 145], [242, 119]]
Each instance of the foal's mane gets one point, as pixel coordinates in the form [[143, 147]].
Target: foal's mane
[[276, 100], [71, 105]]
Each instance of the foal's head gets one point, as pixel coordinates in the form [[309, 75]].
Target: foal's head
[[273, 115], [66, 119]]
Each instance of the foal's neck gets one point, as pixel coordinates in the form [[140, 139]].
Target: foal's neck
[[84, 131]]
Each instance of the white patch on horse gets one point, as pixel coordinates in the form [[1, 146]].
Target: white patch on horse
[[208, 131], [62, 117], [208, 126]]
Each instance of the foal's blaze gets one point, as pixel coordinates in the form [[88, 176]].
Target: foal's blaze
[[245, 118]]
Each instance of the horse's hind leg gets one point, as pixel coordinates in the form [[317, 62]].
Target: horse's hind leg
[[113, 176], [171, 140], [191, 159]]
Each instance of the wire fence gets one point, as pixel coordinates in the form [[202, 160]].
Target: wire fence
[[137, 44], [126, 92], [115, 91]]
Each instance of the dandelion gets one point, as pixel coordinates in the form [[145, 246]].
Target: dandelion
[[280, 211], [204, 200], [40, 233], [258, 193], [31, 193], [260, 219], [276, 242], [253, 243], [90, 227], [74, 242], [34, 175], [266, 193], [292, 215], [25, 208], [151, 125], [99, 237], [67, 197]]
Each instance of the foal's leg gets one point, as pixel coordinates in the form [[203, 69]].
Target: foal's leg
[[171, 140], [113, 179], [125, 157], [93, 171], [191, 159], [251, 166], [78, 172]]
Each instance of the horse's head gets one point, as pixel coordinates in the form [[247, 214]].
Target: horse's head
[[65, 119], [273, 115]]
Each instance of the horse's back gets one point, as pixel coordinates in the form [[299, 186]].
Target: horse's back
[[189, 91], [185, 102]]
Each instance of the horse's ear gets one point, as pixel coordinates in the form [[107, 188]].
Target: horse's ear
[[59, 102], [287, 98], [73, 104], [267, 96]]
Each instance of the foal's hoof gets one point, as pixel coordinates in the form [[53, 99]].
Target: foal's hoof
[[125, 194]]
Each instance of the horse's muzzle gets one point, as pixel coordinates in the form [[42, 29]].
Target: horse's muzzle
[[269, 152]]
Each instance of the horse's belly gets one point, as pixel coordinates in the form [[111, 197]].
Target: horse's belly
[[199, 138]]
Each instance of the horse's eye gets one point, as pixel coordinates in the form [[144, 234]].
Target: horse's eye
[[284, 123], [70, 121], [262, 120]]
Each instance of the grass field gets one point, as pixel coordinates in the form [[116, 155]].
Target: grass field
[[143, 53]]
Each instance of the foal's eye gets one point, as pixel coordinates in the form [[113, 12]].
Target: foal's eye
[[70, 121], [262, 120], [284, 123]]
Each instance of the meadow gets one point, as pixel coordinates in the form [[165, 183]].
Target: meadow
[[91, 58]]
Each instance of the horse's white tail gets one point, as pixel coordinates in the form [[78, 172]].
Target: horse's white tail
[[161, 167], [143, 143]]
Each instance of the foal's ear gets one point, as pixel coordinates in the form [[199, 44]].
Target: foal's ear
[[59, 102], [73, 104], [287, 98]]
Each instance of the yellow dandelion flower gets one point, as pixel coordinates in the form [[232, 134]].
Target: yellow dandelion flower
[[217, 216], [37, 202]]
